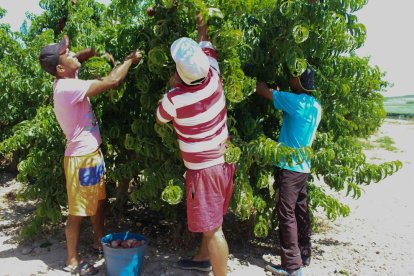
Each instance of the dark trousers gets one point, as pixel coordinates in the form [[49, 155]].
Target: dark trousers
[[293, 216]]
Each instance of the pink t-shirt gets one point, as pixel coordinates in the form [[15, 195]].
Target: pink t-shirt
[[75, 116]]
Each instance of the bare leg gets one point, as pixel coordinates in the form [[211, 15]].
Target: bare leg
[[202, 254], [72, 231], [217, 250], [98, 222]]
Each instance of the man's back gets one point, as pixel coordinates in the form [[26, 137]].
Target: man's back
[[301, 117], [199, 117]]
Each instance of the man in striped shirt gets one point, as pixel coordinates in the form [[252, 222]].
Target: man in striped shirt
[[197, 107]]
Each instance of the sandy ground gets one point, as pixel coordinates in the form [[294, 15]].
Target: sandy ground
[[377, 238]]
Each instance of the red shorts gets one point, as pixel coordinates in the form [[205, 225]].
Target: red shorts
[[208, 192]]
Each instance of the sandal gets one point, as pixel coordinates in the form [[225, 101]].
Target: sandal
[[279, 271], [83, 268]]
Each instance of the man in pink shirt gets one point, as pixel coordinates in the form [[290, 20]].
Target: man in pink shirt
[[83, 161], [197, 107]]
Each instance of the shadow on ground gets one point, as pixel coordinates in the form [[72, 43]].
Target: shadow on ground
[[169, 240]]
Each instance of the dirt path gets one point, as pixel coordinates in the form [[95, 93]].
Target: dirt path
[[378, 236], [376, 239]]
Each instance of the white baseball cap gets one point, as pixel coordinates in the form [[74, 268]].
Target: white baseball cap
[[191, 62]]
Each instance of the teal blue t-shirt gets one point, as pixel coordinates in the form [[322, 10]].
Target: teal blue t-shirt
[[301, 117]]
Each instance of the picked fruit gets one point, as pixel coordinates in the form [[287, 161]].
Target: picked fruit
[[130, 243], [138, 243], [116, 243], [125, 244], [151, 11]]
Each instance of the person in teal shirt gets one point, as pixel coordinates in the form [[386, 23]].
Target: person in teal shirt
[[301, 116]]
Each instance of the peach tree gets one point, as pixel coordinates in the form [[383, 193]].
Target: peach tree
[[256, 40]]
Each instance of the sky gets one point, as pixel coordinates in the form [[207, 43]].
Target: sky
[[389, 43]]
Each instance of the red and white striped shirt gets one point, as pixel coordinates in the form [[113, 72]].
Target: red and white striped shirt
[[199, 117]]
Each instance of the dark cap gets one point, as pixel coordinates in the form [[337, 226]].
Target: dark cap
[[306, 79], [49, 55]]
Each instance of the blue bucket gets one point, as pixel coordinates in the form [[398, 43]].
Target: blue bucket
[[123, 261]]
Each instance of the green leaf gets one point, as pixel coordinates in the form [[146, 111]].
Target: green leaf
[[300, 33], [172, 193]]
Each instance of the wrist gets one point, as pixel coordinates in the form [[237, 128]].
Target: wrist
[[128, 61]]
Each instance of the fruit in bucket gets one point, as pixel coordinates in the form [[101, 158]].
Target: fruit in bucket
[[138, 243], [130, 243], [116, 243]]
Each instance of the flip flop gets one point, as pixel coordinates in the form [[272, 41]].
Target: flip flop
[[83, 268]]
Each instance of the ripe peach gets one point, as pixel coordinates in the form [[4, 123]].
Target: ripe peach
[[151, 11]]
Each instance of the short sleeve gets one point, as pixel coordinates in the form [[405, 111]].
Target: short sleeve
[[75, 90], [166, 110], [285, 101], [211, 53]]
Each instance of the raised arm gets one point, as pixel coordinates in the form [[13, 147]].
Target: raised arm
[[202, 28], [115, 77], [204, 42], [85, 54], [263, 90]]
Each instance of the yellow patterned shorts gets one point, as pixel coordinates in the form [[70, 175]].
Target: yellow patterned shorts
[[85, 182]]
